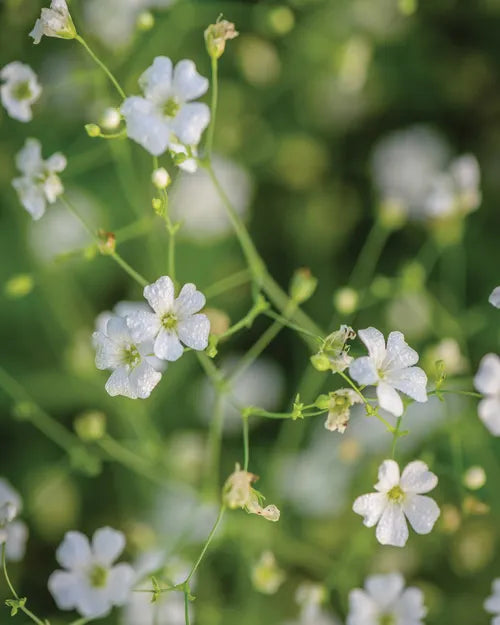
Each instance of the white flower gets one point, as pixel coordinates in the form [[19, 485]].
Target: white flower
[[173, 320], [132, 363], [39, 183], [494, 298], [397, 497], [385, 601], [160, 178], [54, 22], [167, 114], [390, 368], [91, 585], [487, 382], [13, 532], [492, 603], [20, 90], [339, 408]]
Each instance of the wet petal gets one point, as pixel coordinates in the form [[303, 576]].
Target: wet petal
[[422, 513], [417, 478], [107, 545], [143, 379], [119, 384], [143, 325], [146, 125], [411, 381], [160, 295], [193, 331], [375, 343], [188, 84], [189, 301], [389, 399], [392, 528], [74, 551], [167, 345], [371, 507], [156, 81], [190, 122], [388, 476], [363, 371], [399, 354]]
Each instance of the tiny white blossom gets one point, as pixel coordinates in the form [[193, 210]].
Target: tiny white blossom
[[494, 298], [160, 178], [13, 533], [54, 22], [133, 363], [398, 497], [492, 603], [487, 382], [39, 183], [189, 164], [174, 320], [110, 118], [385, 601], [390, 369], [20, 89], [90, 584], [167, 115]]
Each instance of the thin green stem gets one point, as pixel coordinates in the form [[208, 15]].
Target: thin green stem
[[186, 605], [214, 443], [213, 108], [292, 326], [206, 545], [102, 66], [227, 284], [246, 444], [369, 255], [126, 267], [395, 436], [453, 392]]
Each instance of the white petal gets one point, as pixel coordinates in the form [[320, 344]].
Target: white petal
[[375, 343], [417, 478], [117, 330], [93, 602], [160, 295], [167, 346], [108, 353], [143, 325], [193, 331], [156, 81], [29, 158], [15, 546], [74, 551], [494, 298], [65, 588], [489, 413], [392, 528], [371, 507], [9, 495], [119, 384], [143, 379], [388, 476], [389, 399], [32, 197], [189, 301], [385, 589], [412, 381], [410, 607], [422, 513], [487, 379], [146, 125], [492, 604], [399, 354], [107, 545], [188, 84], [362, 609], [363, 371], [37, 31], [56, 163], [121, 578], [53, 188], [190, 122]]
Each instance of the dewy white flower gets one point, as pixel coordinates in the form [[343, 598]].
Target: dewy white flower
[[390, 368], [487, 382], [90, 584], [494, 298], [13, 533], [20, 89], [54, 22], [132, 363], [39, 183], [399, 497], [492, 603], [167, 114], [174, 320], [385, 601]]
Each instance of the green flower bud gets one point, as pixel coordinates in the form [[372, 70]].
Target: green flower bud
[[145, 21], [19, 286], [303, 285], [320, 362], [93, 130], [216, 36], [91, 425], [322, 402]]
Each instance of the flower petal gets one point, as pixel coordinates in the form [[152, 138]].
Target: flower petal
[[385, 589], [31, 196], [193, 331], [371, 507], [417, 478], [399, 354], [56, 163], [15, 546], [422, 512], [156, 81], [412, 381], [188, 84], [487, 379], [143, 379], [188, 125], [119, 384], [107, 545], [65, 588], [74, 551], [29, 159], [189, 301], [143, 325], [121, 578], [362, 609], [489, 413], [389, 399], [146, 125], [160, 295], [410, 607], [167, 345], [92, 602], [392, 528], [363, 370], [388, 476], [375, 343], [494, 298]]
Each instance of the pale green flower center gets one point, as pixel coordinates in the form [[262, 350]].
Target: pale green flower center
[[169, 321], [387, 619], [171, 107], [131, 356], [98, 576], [22, 91], [396, 494]]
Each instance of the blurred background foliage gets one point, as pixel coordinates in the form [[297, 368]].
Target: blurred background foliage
[[307, 91]]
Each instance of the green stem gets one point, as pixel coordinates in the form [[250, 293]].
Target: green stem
[[227, 284], [214, 443], [129, 459], [186, 604], [126, 267], [102, 66], [292, 326], [452, 391], [369, 255], [395, 436], [246, 445], [206, 545], [213, 108]]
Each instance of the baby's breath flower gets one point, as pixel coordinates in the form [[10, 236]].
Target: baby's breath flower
[[334, 353], [39, 183], [90, 583], [267, 577], [494, 298], [492, 603], [398, 497], [216, 36], [20, 89], [13, 532], [487, 382], [238, 493], [339, 408], [54, 22]]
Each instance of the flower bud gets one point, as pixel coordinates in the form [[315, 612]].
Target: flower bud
[[145, 21], [107, 243], [216, 36], [90, 426], [54, 22], [474, 478], [346, 300], [110, 119], [157, 205], [392, 214], [303, 285], [93, 130], [19, 286], [160, 178], [320, 362]]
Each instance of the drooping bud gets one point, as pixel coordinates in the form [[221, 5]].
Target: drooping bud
[[54, 22], [303, 285], [334, 353], [216, 36], [239, 493], [93, 130]]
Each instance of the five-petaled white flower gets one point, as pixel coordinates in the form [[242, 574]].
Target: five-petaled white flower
[[385, 601], [91, 585], [487, 382], [397, 497], [390, 368], [54, 22], [132, 362], [492, 603], [173, 319], [20, 89], [494, 298], [13, 532], [39, 183], [166, 114]]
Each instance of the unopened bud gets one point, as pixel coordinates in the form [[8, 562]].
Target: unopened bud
[[320, 362], [346, 300], [110, 119], [90, 426], [93, 130], [303, 285], [107, 242], [145, 21], [392, 214], [267, 577], [158, 206], [160, 178], [216, 36], [19, 286], [475, 478]]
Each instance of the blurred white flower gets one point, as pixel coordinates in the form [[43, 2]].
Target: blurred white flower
[[385, 600], [310, 598], [13, 532], [40, 183], [494, 298], [492, 603], [448, 351], [390, 368], [20, 89], [339, 408], [195, 202], [172, 321], [266, 575], [167, 113], [54, 22], [487, 382], [90, 584], [110, 118], [131, 362], [398, 497]]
